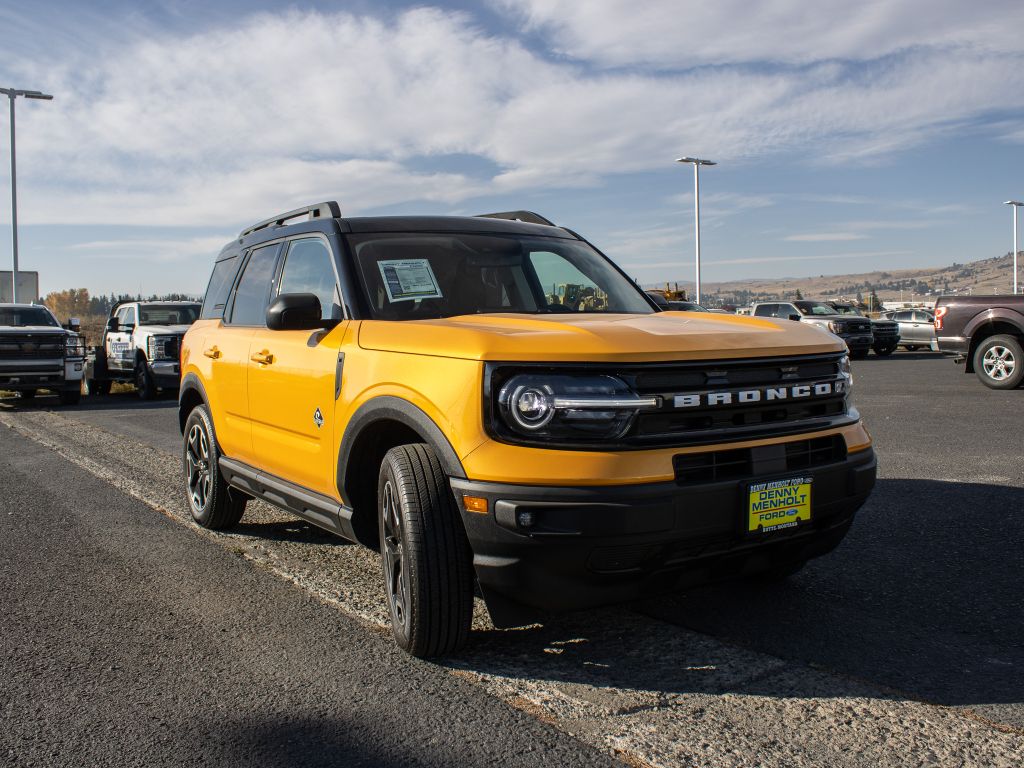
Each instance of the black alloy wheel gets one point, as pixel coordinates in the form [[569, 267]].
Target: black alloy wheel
[[212, 503], [425, 556]]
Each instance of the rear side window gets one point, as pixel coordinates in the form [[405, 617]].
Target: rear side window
[[309, 268], [766, 310], [219, 287], [253, 292]]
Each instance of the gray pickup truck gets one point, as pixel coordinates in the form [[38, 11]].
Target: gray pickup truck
[[986, 332], [37, 352], [855, 331]]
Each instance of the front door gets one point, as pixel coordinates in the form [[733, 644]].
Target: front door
[[293, 376], [120, 356]]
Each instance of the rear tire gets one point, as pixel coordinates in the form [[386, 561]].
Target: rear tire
[[27, 394], [999, 362], [425, 556], [98, 386], [884, 351], [212, 502], [912, 348], [70, 396]]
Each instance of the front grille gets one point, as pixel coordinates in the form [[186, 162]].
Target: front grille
[[885, 331], [732, 418], [857, 326], [31, 346], [735, 464]]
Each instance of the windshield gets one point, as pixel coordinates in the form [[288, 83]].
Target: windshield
[[20, 317], [846, 309], [814, 308], [168, 314], [421, 276], [686, 306]]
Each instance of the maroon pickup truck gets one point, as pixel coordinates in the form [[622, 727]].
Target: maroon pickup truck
[[987, 332]]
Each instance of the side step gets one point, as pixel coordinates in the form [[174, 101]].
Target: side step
[[322, 511]]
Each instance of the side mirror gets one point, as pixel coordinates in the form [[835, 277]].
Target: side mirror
[[74, 324], [112, 325], [295, 312], [791, 316]]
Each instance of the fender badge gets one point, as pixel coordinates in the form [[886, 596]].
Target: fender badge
[[318, 418]]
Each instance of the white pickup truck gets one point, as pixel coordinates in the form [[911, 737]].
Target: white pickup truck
[[140, 346], [37, 352]]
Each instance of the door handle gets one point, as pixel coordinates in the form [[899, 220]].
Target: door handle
[[213, 353], [263, 358]]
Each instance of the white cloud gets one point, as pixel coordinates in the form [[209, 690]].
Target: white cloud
[[670, 33], [824, 237], [228, 125]]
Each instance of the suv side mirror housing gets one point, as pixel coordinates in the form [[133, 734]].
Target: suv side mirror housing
[[112, 325], [295, 312]]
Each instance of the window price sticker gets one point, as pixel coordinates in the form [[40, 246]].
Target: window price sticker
[[409, 279]]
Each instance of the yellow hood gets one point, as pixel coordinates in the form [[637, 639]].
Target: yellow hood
[[595, 337]]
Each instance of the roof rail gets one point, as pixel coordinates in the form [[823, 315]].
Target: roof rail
[[325, 210], [528, 216]]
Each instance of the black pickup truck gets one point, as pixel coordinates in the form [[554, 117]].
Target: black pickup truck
[[987, 332]]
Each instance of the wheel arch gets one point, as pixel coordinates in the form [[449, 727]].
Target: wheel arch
[[191, 394], [377, 426]]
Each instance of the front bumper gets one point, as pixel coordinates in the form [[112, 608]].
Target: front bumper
[[858, 342], [16, 375], [166, 373], [597, 545]]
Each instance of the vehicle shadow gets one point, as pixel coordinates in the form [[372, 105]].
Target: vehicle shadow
[[114, 402], [292, 530], [900, 355], [923, 598]]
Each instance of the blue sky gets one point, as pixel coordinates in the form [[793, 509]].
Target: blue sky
[[849, 136]]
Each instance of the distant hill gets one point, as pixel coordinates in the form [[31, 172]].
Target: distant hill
[[979, 277]]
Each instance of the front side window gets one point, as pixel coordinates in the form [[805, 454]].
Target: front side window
[[129, 316], [309, 268], [23, 317], [421, 276], [766, 310], [253, 291]]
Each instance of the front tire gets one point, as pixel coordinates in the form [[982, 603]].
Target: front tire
[[98, 386], [859, 354], [144, 380], [999, 362], [27, 394], [884, 351], [912, 348], [426, 559], [212, 502]]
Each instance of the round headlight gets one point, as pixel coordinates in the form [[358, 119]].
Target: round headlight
[[531, 407]]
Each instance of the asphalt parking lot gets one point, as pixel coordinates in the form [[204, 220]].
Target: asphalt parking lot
[[902, 647]]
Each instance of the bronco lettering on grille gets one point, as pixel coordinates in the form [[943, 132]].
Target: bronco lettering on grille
[[762, 394]]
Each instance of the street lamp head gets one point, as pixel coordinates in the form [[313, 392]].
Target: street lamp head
[[1013, 202], [37, 95], [695, 161]]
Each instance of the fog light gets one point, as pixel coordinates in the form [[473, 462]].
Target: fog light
[[524, 519]]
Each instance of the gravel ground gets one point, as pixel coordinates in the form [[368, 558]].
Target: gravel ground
[[901, 648]]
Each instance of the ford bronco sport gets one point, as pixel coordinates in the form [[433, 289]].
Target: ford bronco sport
[[490, 402]]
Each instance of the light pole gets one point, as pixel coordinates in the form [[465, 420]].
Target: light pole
[[1015, 205], [697, 163], [12, 94]]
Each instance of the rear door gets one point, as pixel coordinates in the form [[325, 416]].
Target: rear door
[[294, 375]]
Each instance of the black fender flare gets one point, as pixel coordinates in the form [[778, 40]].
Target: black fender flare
[[994, 315], [390, 408], [190, 386]]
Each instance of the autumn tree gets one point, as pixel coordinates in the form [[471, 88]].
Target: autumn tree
[[73, 302]]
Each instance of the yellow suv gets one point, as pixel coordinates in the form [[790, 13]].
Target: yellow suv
[[491, 403]]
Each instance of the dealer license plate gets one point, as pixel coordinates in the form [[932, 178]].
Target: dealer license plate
[[779, 504]]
